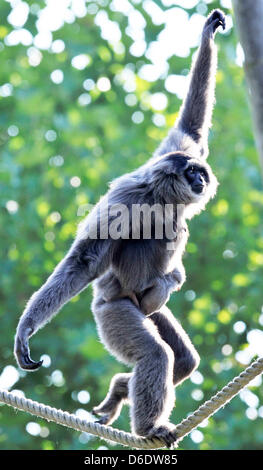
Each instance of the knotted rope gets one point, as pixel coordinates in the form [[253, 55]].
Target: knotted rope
[[127, 439]]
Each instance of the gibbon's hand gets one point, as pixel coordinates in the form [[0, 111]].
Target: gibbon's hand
[[214, 20], [155, 297], [22, 353], [176, 279]]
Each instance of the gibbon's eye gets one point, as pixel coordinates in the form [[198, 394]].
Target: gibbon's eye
[[204, 175], [191, 170]]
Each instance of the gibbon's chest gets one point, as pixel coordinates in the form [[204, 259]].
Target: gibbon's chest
[[135, 262]]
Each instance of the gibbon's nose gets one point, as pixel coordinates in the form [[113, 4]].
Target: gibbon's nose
[[198, 184], [199, 180]]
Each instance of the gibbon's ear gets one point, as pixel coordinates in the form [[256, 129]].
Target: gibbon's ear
[[175, 163], [170, 164]]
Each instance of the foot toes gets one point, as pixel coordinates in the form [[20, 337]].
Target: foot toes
[[98, 411], [165, 433], [103, 420], [105, 416]]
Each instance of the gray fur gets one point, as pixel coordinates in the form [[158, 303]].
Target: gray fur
[[162, 354], [135, 277]]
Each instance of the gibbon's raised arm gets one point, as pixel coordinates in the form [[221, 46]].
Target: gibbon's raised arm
[[196, 112], [190, 132]]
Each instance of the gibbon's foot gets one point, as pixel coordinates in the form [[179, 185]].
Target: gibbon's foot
[[165, 433], [22, 354], [104, 420], [105, 417], [215, 19]]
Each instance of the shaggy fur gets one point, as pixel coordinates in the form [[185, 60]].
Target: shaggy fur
[[135, 276]]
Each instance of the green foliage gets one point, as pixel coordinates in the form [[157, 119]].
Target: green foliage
[[60, 145]]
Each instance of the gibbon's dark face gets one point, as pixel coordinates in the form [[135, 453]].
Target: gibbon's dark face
[[189, 172], [197, 177], [180, 178]]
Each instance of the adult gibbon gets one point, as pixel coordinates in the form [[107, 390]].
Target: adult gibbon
[[134, 276]]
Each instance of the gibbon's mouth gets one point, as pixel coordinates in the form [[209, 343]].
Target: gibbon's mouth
[[198, 188]]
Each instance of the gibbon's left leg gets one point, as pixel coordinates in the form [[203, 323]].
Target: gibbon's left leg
[[134, 339], [186, 360]]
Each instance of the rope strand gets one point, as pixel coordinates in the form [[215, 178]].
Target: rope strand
[[127, 439]]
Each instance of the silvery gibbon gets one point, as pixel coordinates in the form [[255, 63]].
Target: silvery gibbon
[[133, 276]]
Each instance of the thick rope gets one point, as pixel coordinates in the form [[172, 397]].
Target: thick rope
[[127, 439]]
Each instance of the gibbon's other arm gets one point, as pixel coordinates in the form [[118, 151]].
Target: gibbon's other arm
[[196, 111], [84, 262], [151, 299], [157, 295]]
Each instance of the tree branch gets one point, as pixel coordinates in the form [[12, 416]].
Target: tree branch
[[249, 20]]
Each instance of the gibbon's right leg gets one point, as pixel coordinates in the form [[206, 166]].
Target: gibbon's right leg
[[134, 339], [86, 260], [186, 360]]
